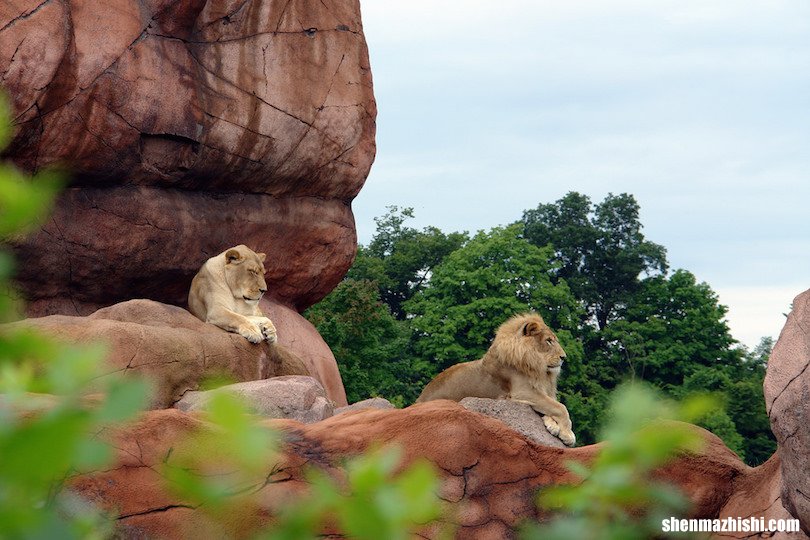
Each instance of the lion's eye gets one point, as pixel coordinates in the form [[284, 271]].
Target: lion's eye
[[550, 341]]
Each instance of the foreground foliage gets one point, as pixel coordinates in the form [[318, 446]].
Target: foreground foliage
[[617, 496], [47, 426], [376, 502]]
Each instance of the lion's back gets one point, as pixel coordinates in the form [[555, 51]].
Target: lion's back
[[466, 379]]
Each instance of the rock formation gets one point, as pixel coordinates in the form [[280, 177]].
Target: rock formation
[[188, 127], [370, 403], [787, 399], [518, 416], [295, 397], [489, 472], [177, 351]]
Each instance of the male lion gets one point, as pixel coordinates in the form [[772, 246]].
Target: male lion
[[226, 292], [522, 364]]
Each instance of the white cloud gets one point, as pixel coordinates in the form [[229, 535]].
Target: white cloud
[[756, 312]]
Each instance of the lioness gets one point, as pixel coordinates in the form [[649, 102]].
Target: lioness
[[522, 364], [226, 292]]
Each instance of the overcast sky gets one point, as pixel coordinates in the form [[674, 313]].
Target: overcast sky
[[701, 109]]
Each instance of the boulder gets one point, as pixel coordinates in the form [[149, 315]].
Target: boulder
[[371, 403], [518, 416], [177, 351], [758, 494], [301, 338], [490, 473], [188, 126], [787, 400], [295, 397]]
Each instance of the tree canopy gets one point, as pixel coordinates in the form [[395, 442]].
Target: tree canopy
[[600, 248]]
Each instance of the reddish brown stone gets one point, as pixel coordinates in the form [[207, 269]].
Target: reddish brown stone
[[107, 245], [177, 351], [189, 126], [303, 340], [787, 400], [490, 473]]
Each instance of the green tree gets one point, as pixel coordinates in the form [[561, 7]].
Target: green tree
[[600, 249], [673, 334], [746, 404], [669, 328], [400, 259], [590, 272], [494, 276], [370, 345]]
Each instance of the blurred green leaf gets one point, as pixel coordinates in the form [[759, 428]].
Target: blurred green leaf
[[619, 497], [377, 500], [47, 426]]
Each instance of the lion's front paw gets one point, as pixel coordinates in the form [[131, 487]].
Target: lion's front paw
[[251, 333], [551, 425], [568, 438], [268, 331]]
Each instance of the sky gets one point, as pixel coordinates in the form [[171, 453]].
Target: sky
[[700, 109]]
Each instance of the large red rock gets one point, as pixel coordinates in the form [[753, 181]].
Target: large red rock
[[177, 351], [490, 473], [787, 400], [299, 336], [189, 126]]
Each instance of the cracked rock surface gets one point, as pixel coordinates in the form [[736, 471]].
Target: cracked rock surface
[[787, 400], [490, 473], [757, 494], [189, 126]]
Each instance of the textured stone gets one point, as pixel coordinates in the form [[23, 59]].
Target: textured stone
[[189, 126], [787, 400], [176, 350], [371, 403], [757, 494], [303, 340], [295, 397], [518, 416], [490, 473], [103, 246]]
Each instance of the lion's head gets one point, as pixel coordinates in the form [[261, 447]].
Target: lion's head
[[525, 343], [244, 274]]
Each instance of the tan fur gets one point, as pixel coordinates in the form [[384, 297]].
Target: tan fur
[[226, 292], [522, 364]]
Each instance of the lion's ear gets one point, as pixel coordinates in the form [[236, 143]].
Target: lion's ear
[[233, 256], [261, 256], [531, 329]]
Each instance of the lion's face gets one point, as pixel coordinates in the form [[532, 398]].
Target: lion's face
[[244, 274], [545, 343]]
